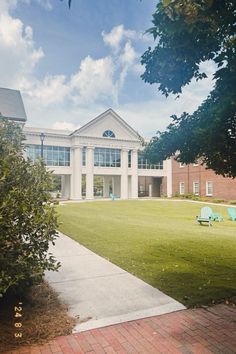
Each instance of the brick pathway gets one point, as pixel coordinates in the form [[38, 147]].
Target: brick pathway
[[200, 331]]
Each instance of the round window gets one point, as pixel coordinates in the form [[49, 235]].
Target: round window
[[108, 134]]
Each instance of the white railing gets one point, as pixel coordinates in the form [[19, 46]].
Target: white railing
[[147, 166]]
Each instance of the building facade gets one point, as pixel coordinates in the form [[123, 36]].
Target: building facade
[[106, 147], [197, 180]]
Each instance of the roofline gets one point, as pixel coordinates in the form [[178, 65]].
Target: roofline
[[23, 106], [13, 118], [7, 88], [101, 116]]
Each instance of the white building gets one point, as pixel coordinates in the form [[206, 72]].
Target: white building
[[107, 147]]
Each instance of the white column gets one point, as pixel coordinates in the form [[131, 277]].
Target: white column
[[67, 186], [116, 185], [106, 183], [168, 164], [63, 184], [134, 175], [113, 184], [150, 190], [89, 172], [76, 176], [124, 174]]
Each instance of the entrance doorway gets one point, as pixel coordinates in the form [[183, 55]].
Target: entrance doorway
[[150, 187]]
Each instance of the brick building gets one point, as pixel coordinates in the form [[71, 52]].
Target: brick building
[[196, 179]]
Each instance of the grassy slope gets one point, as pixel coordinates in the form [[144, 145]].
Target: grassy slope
[[160, 242]]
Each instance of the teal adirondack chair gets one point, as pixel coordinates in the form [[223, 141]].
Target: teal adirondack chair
[[216, 216], [113, 197], [232, 214], [205, 216]]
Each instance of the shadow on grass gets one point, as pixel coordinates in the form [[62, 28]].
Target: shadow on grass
[[194, 289]]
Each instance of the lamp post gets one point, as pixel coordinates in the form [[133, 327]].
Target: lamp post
[[42, 137]]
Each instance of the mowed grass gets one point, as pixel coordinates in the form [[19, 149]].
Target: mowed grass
[[160, 242]]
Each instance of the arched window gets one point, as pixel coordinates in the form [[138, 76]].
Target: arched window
[[108, 134]]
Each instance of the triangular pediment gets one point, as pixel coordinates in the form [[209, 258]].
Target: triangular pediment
[[108, 120]]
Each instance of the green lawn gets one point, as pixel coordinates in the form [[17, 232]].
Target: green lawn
[[159, 242]]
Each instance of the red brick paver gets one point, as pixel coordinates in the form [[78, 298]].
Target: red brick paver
[[196, 331]]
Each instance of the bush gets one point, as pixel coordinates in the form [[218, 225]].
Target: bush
[[186, 196], [218, 201], [197, 198], [27, 217]]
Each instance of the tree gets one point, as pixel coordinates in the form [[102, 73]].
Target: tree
[[27, 218], [188, 33], [69, 3]]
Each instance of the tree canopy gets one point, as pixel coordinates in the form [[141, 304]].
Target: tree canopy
[[69, 3], [188, 33]]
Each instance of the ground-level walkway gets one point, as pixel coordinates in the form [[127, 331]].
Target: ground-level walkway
[[196, 331], [101, 293]]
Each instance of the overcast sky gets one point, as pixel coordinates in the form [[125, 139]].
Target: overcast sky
[[72, 65]]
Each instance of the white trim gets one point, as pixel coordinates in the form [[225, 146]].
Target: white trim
[[168, 168]]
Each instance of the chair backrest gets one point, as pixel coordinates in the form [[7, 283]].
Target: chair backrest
[[206, 212], [231, 212]]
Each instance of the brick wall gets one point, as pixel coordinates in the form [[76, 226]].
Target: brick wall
[[223, 188]]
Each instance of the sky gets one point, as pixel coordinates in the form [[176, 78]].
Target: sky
[[73, 64]]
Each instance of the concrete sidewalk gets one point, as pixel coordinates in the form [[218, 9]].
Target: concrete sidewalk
[[101, 293]]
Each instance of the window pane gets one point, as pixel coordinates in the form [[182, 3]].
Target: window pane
[[106, 157], [209, 188], [181, 188], [53, 155], [196, 187]]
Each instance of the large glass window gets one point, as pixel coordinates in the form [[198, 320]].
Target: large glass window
[[107, 157], [129, 158], [52, 155], [84, 156], [145, 165]]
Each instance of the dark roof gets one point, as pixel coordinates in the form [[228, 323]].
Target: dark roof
[[11, 105]]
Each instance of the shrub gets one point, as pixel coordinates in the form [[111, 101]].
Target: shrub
[[27, 217], [218, 201], [197, 198], [186, 196]]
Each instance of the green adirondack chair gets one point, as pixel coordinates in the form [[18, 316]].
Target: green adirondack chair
[[232, 214], [205, 216], [113, 197], [216, 216]]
